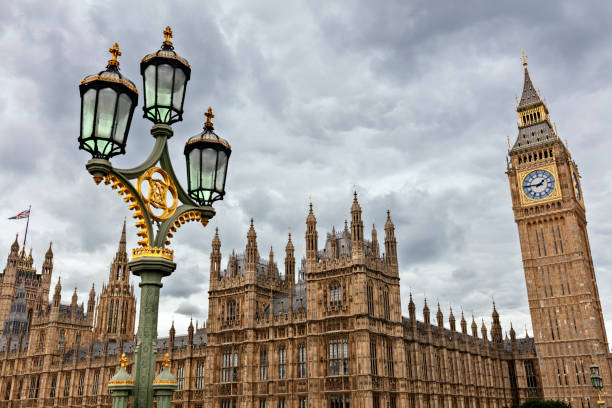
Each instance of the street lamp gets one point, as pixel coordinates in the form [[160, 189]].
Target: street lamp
[[108, 100], [597, 383]]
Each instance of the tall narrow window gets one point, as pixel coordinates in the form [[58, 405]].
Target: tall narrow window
[[538, 241], [282, 362], [235, 367], [561, 281], [263, 364], [408, 361], [335, 295], [52, 390], [303, 402], [560, 239], [373, 360], [552, 230], [386, 303], [544, 285], [110, 316], [231, 311], [41, 341], [370, 295], [180, 377], [281, 403], [558, 372], [530, 374], [229, 370], [425, 376], [81, 387], [574, 320], [569, 289], [67, 386], [199, 384], [116, 314], [338, 357], [552, 330], [390, 372], [577, 374], [302, 361], [550, 287], [96, 382]]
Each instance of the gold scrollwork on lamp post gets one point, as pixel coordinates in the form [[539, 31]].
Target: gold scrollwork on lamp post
[[159, 185]]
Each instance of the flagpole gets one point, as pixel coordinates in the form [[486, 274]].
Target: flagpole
[[27, 224]]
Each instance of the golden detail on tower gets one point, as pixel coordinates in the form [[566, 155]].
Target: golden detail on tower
[[161, 193]]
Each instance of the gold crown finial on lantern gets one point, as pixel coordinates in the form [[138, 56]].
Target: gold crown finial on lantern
[[123, 361], [113, 62], [524, 58], [166, 362], [168, 35], [209, 115]]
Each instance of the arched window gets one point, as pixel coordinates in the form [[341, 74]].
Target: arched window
[[335, 295], [386, 303], [231, 311]]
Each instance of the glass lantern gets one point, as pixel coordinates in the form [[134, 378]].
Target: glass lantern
[[207, 156], [165, 75], [108, 100]]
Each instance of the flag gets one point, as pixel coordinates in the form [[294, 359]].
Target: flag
[[23, 214]]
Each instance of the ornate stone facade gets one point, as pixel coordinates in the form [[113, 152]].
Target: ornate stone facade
[[335, 336]]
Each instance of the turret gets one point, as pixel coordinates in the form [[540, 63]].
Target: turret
[[412, 312], [47, 267], [513, 339], [190, 332], [390, 243], [251, 253], [215, 258], [496, 330], [440, 320], [290, 263], [57, 295], [451, 320], [119, 270], [172, 333], [91, 303], [474, 328], [356, 228], [375, 249], [271, 274], [15, 247], [73, 304], [483, 330], [311, 237], [334, 244], [426, 316], [463, 324]]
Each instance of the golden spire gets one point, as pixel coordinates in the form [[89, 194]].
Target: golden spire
[[209, 115], [166, 362], [524, 58], [123, 361], [168, 35], [114, 54]]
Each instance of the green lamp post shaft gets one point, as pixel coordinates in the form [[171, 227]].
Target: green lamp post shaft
[[151, 271]]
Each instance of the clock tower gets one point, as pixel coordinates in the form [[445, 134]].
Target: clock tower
[[549, 210]]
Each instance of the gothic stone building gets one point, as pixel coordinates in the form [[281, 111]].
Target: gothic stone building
[[335, 336]]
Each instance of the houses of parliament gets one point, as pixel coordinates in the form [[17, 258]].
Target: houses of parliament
[[335, 336]]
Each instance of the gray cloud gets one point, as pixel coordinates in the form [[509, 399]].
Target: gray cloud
[[410, 101]]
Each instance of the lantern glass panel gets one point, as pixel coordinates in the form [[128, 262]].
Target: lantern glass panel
[[123, 114], [165, 75], [105, 115], [194, 169], [88, 110], [209, 158], [150, 87], [221, 167], [179, 88]]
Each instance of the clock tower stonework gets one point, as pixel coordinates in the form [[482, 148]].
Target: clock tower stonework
[[549, 211]]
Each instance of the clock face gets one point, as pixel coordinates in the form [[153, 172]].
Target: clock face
[[577, 186], [538, 184]]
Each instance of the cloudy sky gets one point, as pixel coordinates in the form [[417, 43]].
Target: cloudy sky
[[412, 102]]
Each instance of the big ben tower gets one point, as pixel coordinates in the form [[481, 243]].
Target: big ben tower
[[549, 211]]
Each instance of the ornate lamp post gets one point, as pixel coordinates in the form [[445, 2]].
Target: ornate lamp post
[[108, 100], [597, 383]]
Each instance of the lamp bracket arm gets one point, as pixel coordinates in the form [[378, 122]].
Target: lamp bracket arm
[[132, 194], [185, 211], [166, 164], [154, 157]]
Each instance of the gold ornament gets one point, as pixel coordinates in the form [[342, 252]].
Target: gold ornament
[[159, 185]]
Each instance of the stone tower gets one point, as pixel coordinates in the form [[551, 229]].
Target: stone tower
[[549, 210], [20, 270], [117, 306]]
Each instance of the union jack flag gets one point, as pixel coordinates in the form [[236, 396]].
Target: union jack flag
[[23, 214]]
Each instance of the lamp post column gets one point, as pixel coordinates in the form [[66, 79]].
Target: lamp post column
[[151, 271]]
